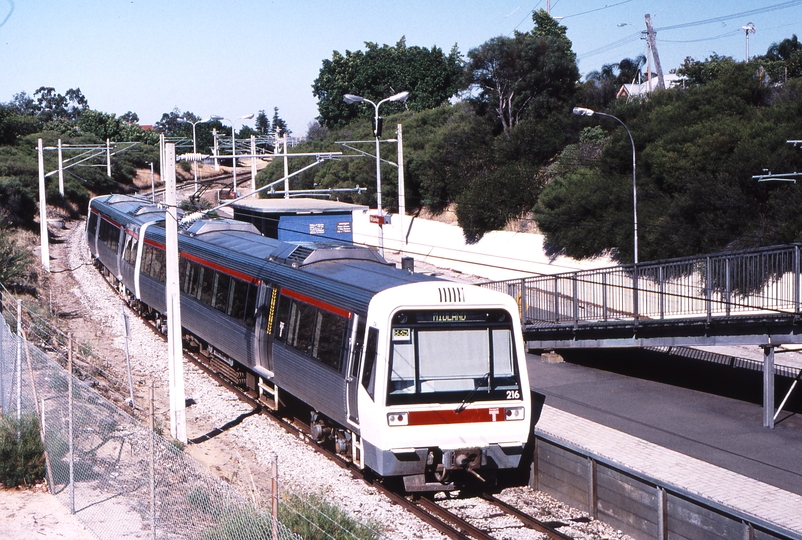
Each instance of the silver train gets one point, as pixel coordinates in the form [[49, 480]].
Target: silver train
[[410, 376]]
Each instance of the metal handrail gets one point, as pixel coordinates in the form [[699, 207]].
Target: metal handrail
[[754, 281]]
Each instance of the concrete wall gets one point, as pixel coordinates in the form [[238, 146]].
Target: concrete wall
[[498, 255], [639, 508]]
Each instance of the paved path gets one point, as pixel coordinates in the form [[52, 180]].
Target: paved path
[[708, 444]]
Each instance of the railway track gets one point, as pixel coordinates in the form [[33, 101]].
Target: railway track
[[445, 521], [428, 510]]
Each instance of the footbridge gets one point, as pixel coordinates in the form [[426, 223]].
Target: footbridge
[[749, 297]]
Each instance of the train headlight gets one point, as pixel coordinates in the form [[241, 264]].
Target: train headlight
[[514, 413], [397, 419]]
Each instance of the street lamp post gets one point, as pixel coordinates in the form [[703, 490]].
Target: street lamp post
[[582, 111], [194, 144], [233, 143], [377, 129]]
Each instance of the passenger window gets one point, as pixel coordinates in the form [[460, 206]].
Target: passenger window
[[250, 305], [239, 295], [129, 251], [371, 351], [330, 339], [221, 292], [357, 349], [206, 285], [158, 268], [302, 326], [92, 224], [192, 278], [147, 256]]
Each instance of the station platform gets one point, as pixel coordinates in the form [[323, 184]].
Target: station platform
[[701, 433]]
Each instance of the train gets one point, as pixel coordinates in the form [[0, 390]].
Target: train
[[419, 379]]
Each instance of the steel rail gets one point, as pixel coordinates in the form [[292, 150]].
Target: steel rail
[[526, 519]]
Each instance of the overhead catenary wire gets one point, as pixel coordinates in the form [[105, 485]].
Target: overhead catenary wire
[[711, 20]]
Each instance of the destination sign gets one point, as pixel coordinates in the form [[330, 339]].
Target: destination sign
[[450, 317]]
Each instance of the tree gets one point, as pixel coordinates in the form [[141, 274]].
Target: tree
[[784, 59], [316, 131], [629, 70], [430, 76], [53, 106], [697, 152], [14, 124], [530, 73], [24, 104], [495, 69], [279, 125], [171, 125], [102, 125], [262, 123], [601, 86], [130, 118]]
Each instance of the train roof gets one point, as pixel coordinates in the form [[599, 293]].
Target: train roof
[[350, 275]]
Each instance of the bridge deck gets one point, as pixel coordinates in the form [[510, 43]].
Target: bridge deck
[[749, 297]]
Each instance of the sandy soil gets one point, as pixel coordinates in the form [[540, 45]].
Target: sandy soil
[[34, 513]]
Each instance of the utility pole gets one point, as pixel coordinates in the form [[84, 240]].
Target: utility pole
[[175, 353], [652, 41]]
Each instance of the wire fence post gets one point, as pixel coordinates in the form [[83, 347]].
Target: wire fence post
[[274, 493], [40, 411], [70, 423], [128, 356], [18, 366], [3, 405], [152, 461]]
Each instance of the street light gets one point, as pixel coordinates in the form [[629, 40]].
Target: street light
[[748, 29], [582, 111], [233, 143], [194, 144], [377, 132]]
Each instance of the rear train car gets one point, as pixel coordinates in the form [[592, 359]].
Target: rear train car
[[413, 377]]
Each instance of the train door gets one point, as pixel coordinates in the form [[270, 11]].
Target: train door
[[264, 324], [354, 360]]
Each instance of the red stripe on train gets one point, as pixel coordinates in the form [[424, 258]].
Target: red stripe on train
[[229, 271], [317, 303], [449, 416]]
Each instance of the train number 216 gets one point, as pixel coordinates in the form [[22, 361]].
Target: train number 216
[[513, 394]]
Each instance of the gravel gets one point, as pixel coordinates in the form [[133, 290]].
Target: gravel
[[242, 454]]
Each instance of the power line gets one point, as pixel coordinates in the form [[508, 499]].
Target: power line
[[629, 39], [608, 6], [767, 9]]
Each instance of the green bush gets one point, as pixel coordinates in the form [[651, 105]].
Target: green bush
[[314, 518], [310, 518], [22, 460], [15, 260], [244, 523]]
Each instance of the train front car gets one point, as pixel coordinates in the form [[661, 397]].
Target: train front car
[[444, 397]]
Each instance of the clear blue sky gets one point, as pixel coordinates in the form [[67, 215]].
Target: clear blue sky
[[237, 57]]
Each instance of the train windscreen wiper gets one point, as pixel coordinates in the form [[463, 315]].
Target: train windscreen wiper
[[467, 401]]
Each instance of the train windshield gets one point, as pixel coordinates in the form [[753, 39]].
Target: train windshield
[[441, 357]]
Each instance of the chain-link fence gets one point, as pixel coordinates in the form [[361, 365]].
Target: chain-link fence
[[120, 478]]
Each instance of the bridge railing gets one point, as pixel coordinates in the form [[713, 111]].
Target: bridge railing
[[765, 280]]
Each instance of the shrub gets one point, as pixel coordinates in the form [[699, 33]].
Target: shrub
[[315, 518], [22, 460], [15, 260]]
